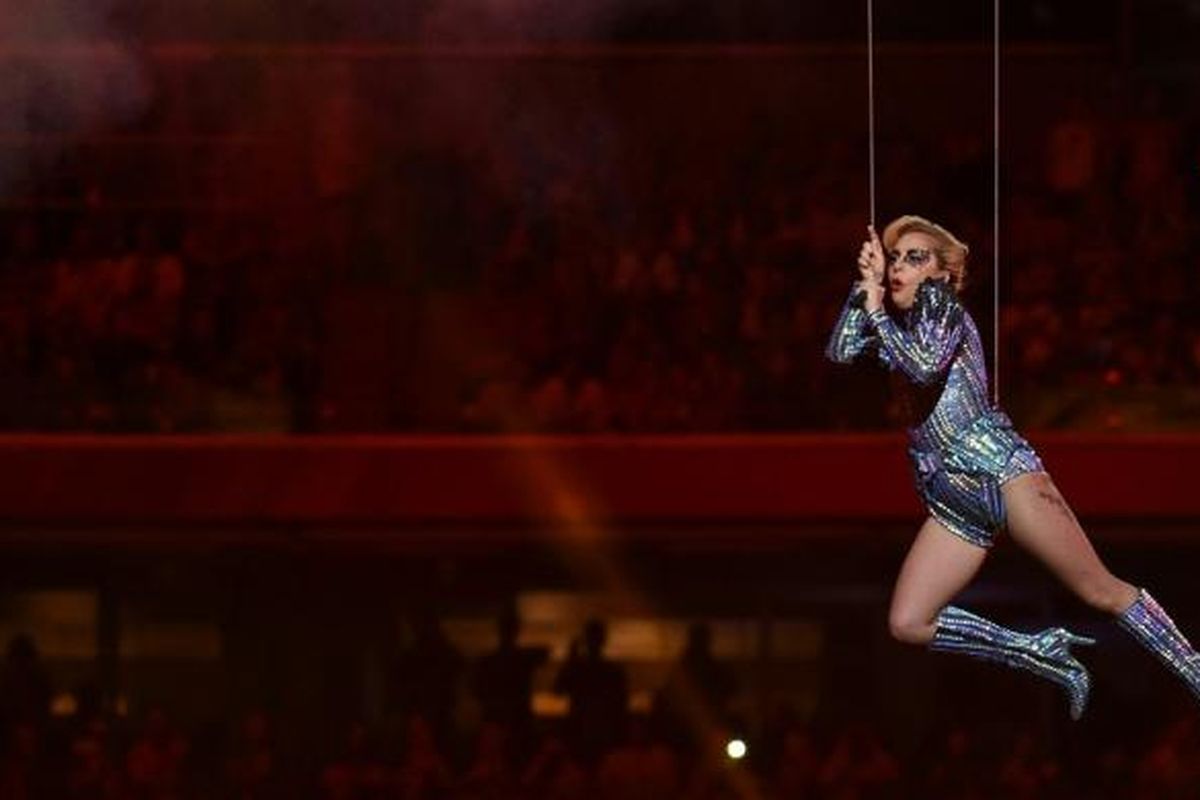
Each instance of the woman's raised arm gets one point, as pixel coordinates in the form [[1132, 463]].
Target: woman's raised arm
[[852, 333]]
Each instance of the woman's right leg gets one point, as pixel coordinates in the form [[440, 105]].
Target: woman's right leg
[[938, 566]]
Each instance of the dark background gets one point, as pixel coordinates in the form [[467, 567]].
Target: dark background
[[408, 227]]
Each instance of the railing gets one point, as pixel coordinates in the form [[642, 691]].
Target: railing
[[574, 482]]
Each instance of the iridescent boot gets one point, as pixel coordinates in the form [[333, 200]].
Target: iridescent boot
[[1046, 653], [1150, 625]]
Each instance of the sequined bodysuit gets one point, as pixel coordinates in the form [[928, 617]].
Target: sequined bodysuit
[[962, 447]]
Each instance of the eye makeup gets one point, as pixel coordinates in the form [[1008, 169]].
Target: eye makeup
[[913, 256]]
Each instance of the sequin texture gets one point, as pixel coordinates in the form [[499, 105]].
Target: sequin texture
[[1147, 622], [1047, 653], [964, 448]]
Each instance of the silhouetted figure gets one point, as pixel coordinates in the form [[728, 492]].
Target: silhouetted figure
[[427, 675], [503, 680], [598, 690], [696, 692], [24, 684]]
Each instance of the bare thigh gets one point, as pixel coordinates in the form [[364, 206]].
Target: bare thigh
[[938, 565], [1040, 521]]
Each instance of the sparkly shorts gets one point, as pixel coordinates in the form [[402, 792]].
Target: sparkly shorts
[[960, 483]]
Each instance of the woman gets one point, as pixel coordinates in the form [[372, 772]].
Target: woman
[[975, 473]]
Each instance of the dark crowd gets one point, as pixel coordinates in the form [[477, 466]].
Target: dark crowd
[[677, 748], [601, 289]]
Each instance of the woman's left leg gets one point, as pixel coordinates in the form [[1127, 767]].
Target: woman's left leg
[[1042, 522]]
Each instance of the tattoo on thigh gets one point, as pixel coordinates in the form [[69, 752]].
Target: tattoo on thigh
[[1050, 494]]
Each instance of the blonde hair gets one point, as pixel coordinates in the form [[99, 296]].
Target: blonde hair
[[951, 251]]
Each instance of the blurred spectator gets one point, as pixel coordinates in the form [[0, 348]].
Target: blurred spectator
[[94, 761], [598, 691], [156, 762], [643, 767], [23, 775], [503, 680], [251, 772], [957, 767], [24, 684], [426, 677], [697, 690], [1171, 766], [859, 766], [358, 772], [1072, 151], [1027, 773], [555, 773], [798, 764], [492, 773], [423, 773]]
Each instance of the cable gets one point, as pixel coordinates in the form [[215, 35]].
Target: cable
[[871, 105], [995, 169], [996, 202]]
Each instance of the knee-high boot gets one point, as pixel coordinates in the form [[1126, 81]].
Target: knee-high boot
[[1147, 622], [1045, 653]]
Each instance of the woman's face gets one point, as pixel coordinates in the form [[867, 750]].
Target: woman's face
[[911, 261]]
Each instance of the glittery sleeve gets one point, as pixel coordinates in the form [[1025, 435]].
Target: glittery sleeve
[[924, 350], [852, 334]]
